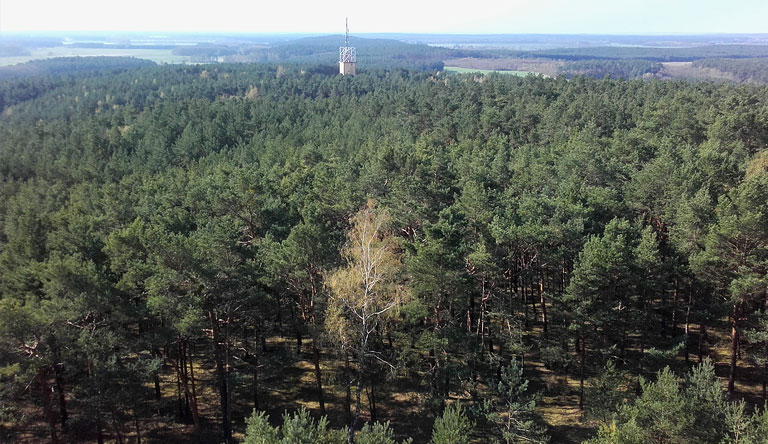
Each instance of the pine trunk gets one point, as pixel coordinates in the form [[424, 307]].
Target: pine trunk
[[347, 386], [256, 381], [47, 410], [138, 429], [734, 351], [59, 379], [99, 429], [688, 324], [318, 377], [543, 302], [583, 371], [185, 379], [195, 411], [222, 379], [372, 402]]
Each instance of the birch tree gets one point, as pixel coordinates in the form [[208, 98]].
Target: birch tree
[[364, 293]]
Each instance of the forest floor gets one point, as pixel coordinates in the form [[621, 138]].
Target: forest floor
[[285, 388]]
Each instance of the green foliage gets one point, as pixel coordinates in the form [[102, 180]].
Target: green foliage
[[513, 414], [605, 394], [301, 428], [628, 433], [377, 433], [298, 428], [259, 431], [453, 426], [165, 220], [699, 412]]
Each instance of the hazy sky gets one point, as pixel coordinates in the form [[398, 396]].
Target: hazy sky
[[445, 16]]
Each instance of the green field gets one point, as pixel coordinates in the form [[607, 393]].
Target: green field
[[485, 71], [156, 55]]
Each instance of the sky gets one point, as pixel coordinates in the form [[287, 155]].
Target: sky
[[414, 16]]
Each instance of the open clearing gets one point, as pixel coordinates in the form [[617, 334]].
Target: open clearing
[[538, 66], [458, 70], [686, 70]]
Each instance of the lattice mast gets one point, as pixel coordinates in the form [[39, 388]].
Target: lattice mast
[[347, 56]]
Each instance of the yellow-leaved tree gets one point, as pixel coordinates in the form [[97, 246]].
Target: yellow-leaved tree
[[364, 294]]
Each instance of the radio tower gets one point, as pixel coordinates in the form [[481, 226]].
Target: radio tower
[[347, 56]]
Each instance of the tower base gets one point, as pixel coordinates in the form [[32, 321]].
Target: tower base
[[347, 68]]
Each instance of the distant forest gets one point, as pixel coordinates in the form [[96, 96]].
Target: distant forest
[[734, 59], [273, 253], [597, 62]]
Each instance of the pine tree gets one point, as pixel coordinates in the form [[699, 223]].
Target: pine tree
[[513, 413], [453, 426]]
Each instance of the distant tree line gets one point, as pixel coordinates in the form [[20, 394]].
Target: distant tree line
[[655, 54], [745, 70], [627, 69]]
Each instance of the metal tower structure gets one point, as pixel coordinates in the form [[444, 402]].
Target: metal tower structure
[[347, 56]]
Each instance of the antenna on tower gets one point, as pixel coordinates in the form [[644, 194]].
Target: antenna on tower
[[347, 56]]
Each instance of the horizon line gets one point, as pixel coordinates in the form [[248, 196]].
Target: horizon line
[[649, 34]]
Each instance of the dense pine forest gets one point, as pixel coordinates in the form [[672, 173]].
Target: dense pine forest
[[279, 254]]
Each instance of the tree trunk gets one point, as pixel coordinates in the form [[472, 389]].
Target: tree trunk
[[524, 299], [623, 344], [116, 427], [358, 406], [360, 376], [583, 371], [318, 376], [348, 398], [59, 379], [222, 379], [45, 393], [372, 401], [299, 341], [185, 378], [158, 392], [543, 303], [532, 297], [183, 382], [296, 329], [179, 399], [663, 317], [156, 381], [567, 364], [675, 296], [256, 381], [688, 324], [99, 429], [734, 351], [471, 312], [347, 386], [563, 284], [223, 399], [138, 429], [702, 339], [511, 283], [195, 411]]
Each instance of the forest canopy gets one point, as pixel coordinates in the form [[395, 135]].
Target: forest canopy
[[197, 251]]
